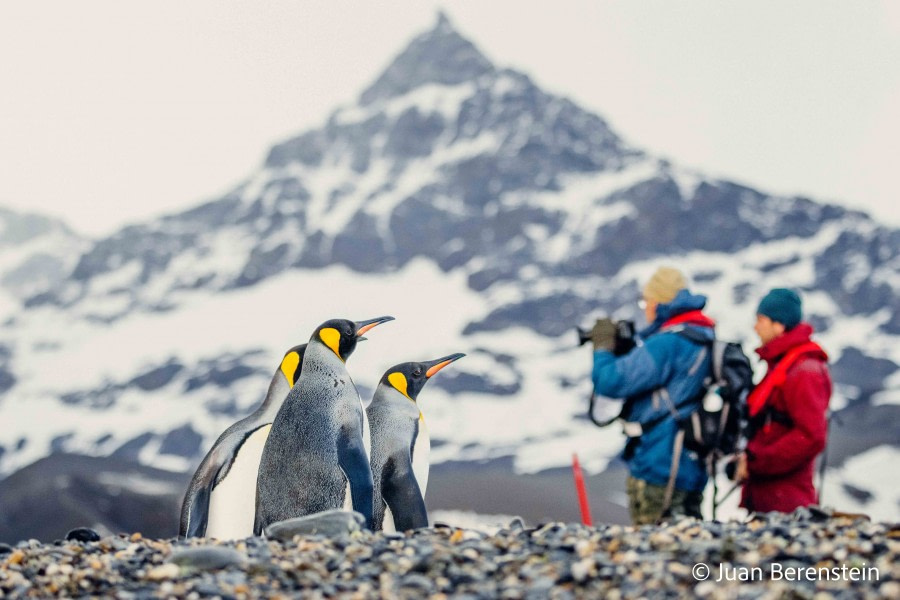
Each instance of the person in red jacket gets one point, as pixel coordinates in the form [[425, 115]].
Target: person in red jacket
[[787, 410]]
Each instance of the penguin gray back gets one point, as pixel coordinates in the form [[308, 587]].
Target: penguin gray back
[[315, 447], [400, 445], [394, 423]]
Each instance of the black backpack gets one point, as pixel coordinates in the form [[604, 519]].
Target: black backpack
[[718, 424], [716, 432]]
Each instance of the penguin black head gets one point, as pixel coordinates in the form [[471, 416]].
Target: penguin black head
[[342, 335], [409, 378], [292, 363]]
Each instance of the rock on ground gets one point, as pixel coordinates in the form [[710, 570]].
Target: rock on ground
[[556, 560]]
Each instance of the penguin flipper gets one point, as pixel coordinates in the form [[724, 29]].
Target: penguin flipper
[[195, 520], [354, 462], [257, 518], [195, 507], [403, 496]]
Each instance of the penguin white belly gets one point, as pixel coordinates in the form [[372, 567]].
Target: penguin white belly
[[422, 456], [387, 525], [232, 503]]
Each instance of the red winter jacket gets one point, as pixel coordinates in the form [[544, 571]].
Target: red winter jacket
[[781, 458]]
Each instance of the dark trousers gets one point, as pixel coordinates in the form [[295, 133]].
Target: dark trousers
[[645, 502]]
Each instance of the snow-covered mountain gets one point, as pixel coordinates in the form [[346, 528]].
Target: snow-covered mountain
[[36, 254], [488, 216]]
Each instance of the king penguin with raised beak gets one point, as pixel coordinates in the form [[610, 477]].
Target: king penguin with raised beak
[[401, 446], [315, 453], [221, 499]]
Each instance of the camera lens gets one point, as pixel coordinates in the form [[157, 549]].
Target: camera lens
[[584, 336]]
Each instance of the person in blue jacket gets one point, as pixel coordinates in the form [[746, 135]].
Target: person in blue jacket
[[662, 382]]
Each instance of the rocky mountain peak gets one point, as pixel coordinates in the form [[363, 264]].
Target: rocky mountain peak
[[440, 55], [18, 228]]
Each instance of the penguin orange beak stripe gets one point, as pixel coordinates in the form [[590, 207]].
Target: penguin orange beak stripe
[[440, 363], [364, 326]]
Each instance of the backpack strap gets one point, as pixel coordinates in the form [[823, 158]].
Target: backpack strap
[[776, 377], [763, 420], [780, 417], [689, 333], [677, 447], [636, 429]]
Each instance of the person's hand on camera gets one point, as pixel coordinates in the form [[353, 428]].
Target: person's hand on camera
[[603, 335]]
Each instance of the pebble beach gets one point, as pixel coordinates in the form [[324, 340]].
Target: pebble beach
[[807, 554]]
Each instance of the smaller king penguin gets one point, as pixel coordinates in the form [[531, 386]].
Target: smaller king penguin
[[221, 498], [400, 445], [315, 453]]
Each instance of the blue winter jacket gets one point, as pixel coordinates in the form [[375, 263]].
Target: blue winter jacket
[[666, 364]]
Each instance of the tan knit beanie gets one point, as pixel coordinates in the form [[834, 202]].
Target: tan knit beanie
[[664, 285]]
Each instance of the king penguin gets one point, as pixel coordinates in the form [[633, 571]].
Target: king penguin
[[315, 451], [221, 498], [401, 446]]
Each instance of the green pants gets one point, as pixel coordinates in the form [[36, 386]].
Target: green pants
[[645, 502]]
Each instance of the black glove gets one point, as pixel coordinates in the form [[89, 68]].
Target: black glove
[[603, 335]]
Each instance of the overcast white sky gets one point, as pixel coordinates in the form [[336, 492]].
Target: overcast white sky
[[111, 112]]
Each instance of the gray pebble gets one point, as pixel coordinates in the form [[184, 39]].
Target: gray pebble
[[208, 589], [207, 558], [330, 523], [419, 582]]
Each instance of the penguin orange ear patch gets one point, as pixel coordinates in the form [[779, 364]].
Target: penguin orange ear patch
[[332, 338], [289, 365], [398, 380]]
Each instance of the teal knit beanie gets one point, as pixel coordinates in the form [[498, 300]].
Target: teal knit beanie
[[781, 305]]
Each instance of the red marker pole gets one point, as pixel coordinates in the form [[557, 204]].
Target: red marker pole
[[581, 490]]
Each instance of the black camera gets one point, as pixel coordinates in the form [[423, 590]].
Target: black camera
[[625, 334], [584, 336]]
